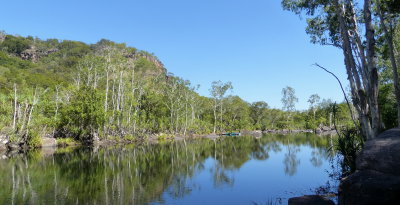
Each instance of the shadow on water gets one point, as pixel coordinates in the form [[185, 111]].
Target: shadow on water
[[151, 173]]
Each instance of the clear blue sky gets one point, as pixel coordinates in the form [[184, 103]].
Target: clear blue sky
[[254, 44]]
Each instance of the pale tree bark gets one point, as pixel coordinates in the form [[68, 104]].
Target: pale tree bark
[[360, 62], [215, 115], [15, 107]]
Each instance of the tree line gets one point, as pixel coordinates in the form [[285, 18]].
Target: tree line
[[70, 89]]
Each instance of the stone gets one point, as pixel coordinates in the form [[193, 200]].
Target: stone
[[48, 142], [382, 153], [377, 176], [325, 128], [318, 131], [13, 146], [369, 187], [310, 199]]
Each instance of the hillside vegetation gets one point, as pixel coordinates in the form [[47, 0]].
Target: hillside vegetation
[[107, 89]]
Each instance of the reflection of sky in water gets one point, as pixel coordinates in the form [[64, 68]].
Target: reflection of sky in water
[[292, 171], [233, 170]]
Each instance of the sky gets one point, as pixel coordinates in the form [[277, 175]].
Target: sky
[[255, 44]]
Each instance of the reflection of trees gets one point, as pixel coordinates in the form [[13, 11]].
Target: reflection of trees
[[138, 174], [317, 157], [221, 177], [318, 154], [291, 161]]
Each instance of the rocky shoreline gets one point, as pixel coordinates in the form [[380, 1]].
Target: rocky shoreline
[[8, 148], [376, 179]]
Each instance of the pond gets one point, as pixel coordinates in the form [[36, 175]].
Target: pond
[[229, 170]]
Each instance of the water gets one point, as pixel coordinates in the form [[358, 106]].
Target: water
[[232, 170]]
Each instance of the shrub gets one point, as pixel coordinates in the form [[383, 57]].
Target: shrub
[[83, 116], [348, 144], [33, 139]]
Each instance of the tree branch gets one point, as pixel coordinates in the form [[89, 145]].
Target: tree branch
[[341, 87]]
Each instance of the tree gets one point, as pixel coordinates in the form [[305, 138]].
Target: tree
[[258, 112], [389, 18], [337, 23], [289, 99], [83, 117], [218, 91], [314, 100]]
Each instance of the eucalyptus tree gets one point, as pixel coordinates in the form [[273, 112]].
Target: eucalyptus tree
[[218, 91], [289, 99], [314, 100], [338, 23]]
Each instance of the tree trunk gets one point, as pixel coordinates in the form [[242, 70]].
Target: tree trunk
[[365, 94], [15, 107], [389, 41]]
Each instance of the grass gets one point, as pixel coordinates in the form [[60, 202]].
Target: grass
[[64, 142], [349, 143]]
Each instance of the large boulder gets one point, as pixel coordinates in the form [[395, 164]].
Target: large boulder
[[310, 199], [377, 178], [49, 142], [382, 153]]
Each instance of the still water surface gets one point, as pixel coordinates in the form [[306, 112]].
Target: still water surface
[[231, 170]]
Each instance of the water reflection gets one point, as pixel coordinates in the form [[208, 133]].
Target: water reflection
[[145, 174], [291, 161]]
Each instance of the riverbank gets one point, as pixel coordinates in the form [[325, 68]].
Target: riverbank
[[8, 148], [377, 176]]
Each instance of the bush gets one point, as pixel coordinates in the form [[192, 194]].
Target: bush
[[33, 139], [83, 116], [349, 143], [64, 142]]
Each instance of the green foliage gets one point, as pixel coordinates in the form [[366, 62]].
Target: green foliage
[[84, 115], [34, 140], [349, 143], [109, 89], [15, 45], [387, 105]]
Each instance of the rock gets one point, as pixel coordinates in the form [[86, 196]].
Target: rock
[[382, 153], [370, 187], [325, 128], [255, 133], [377, 178], [13, 146], [318, 131], [310, 199], [211, 136], [34, 54], [308, 131], [48, 142]]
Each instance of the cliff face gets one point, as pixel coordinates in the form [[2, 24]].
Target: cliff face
[[158, 66]]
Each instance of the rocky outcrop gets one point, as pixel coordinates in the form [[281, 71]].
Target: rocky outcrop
[[3, 142], [310, 199], [377, 178], [34, 54], [151, 58], [255, 133]]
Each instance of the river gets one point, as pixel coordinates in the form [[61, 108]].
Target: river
[[229, 170]]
